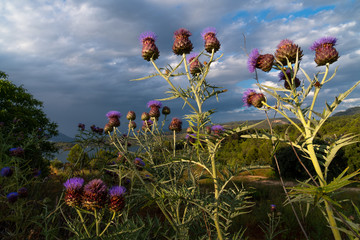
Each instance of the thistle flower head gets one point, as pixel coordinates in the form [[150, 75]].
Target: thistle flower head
[[182, 44], [218, 129], [139, 163], [272, 207], [113, 114], [132, 125], [252, 60], [323, 41], [325, 51], [147, 36], [175, 125], [149, 50], [154, 112], [287, 50], [6, 172], [95, 194], [265, 62], [154, 103], [247, 97], [211, 41], [117, 200], [74, 191], [12, 197], [191, 56]]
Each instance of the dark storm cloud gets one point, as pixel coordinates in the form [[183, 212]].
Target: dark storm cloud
[[78, 56]]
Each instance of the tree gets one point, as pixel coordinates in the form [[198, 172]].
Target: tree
[[24, 124]]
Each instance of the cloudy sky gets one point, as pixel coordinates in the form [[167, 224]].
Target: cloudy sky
[[78, 57]]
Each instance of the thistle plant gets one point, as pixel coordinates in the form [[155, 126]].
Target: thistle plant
[[291, 102], [224, 204]]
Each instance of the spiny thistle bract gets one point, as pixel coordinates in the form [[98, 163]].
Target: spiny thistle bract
[[17, 152], [149, 49], [74, 191], [166, 110], [182, 44], [287, 50], [325, 51], [95, 195], [289, 76], [12, 197], [211, 41], [145, 116], [132, 125], [22, 192]]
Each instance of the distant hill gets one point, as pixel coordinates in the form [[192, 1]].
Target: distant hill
[[349, 111], [62, 138]]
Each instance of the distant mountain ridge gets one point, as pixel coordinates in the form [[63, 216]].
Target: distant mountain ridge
[[62, 138], [349, 111]]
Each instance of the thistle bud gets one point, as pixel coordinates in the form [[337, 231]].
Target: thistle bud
[[195, 65], [17, 152], [95, 195], [208, 130], [145, 116], [175, 125], [166, 110], [147, 125], [149, 49], [287, 50], [289, 76], [131, 116], [189, 130], [325, 51], [107, 128], [81, 126], [182, 44], [211, 42], [117, 200], [132, 125]]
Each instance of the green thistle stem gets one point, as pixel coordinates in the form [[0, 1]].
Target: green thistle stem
[[112, 218], [174, 134], [82, 221], [216, 192]]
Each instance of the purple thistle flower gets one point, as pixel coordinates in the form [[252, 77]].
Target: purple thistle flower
[[147, 35], [117, 191], [95, 194], [6, 172], [117, 200], [322, 41], [252, 61], [12, 197], [246, 95], [154, 103], [74, 183], [113, 114], [273, 207], [208, 30], [218, 128]]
